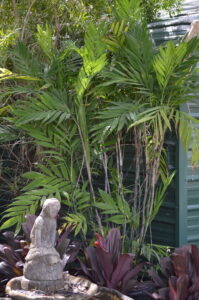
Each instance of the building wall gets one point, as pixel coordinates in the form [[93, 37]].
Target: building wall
[[178, 220]]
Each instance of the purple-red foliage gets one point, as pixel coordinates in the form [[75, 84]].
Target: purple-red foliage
[[180, 275], [106, 266]]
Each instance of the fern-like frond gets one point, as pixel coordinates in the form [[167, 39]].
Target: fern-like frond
[[133, 69], [93, 56], [50, 181], [8, 133], [45, 40], [123, 115], [128, 10], [47, 107], [160, 195], [24, 61], [5, 74]]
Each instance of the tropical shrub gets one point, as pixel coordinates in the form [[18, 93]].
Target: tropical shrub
[[145, 88], [86, 107], [105, 265], [69, 19], [179, 275]]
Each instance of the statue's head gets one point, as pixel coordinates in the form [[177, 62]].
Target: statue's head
[[50, 208]]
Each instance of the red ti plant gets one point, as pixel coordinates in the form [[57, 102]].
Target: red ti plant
[[12, 255], [180, 275], [106, 266]]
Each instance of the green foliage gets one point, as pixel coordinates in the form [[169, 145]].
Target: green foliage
[[118, 208], [153, 8], [93, 57], [70, 20], [60, 127], [47, 109], [45, 41], [8, 75], [8, 38], [79, 106], [128, 10]]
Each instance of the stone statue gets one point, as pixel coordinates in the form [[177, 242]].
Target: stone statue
[[44, 278], [194, 31], [43, 267]]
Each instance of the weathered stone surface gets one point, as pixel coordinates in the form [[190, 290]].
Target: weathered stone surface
[[194, 31], [42, 285], [43, 268], [75, 288]]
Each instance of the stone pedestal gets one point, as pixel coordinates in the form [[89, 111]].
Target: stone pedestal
[[75, 288], [42, 285]]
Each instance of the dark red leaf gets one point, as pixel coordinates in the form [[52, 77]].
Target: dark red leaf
[[195, 256], [135, 288], [101, 242], [182, 285], [72, 251], [179, 263], [195, 286], [124, 265], [166, 266], [164, 293], [105, 262], [172, 288], [113, 244], [6, 270], [85, 269], [10, 255], [183, 265], [90, 253], [156, 279], [11, 240], [132, 273]]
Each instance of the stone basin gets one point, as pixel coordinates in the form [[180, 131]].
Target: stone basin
[[75, 288]]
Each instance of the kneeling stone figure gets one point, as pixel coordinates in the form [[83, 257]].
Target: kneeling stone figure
[[43, 267], [43, 277]]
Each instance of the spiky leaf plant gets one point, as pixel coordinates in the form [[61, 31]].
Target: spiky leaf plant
[[105, 265], [81, 123], [179, 275], [144, 88], [61, 129]]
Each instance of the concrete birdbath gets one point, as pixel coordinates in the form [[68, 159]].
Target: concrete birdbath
[[43, 277]]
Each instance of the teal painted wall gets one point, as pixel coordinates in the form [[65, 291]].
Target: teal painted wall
[[177, 222]]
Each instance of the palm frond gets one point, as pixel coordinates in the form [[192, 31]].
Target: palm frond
[[128, 10], [133, 68], [93, 56], [5, 74], [24, 61], [8, 133], [45, 40], [47, 107], [49, 182]]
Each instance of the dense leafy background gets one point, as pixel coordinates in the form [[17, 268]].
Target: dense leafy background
[[80, 85]]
